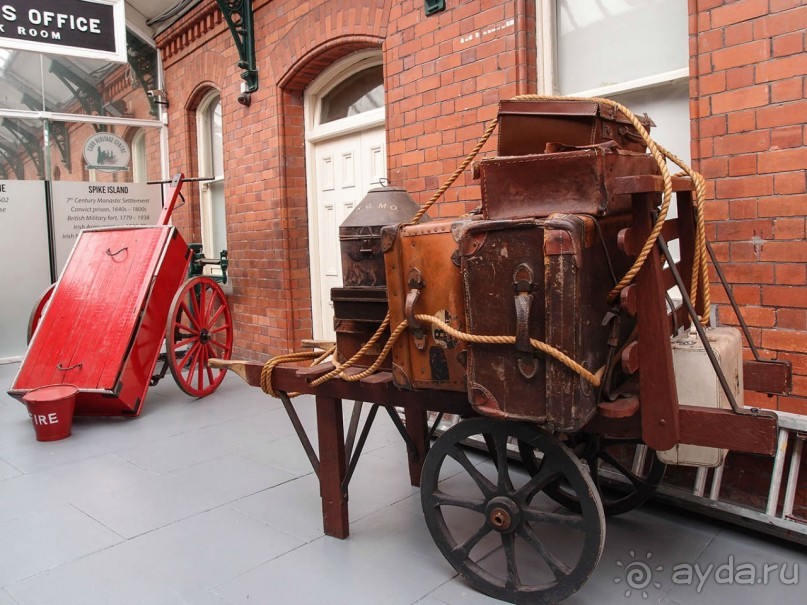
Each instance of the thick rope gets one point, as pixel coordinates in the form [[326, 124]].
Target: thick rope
[[541, 346]]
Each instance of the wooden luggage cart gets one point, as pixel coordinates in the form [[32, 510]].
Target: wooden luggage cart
[[123, 292], [647, 416]]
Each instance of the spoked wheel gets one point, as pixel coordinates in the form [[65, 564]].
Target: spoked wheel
[[491, 527], [199, 328], [642, 476], [39, 310]]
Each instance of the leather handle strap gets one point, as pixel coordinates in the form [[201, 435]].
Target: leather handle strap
[[523, 286], [416, 284]]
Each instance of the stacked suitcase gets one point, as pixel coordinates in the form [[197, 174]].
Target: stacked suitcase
[[539, 263]]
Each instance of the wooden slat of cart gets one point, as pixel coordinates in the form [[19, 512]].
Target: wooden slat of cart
[[94, 310]]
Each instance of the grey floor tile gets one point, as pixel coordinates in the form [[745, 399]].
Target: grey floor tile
[[7, 599], [8, 471], [91, 478], [386, 560], [185, 558], [46, 538], [162, 500]]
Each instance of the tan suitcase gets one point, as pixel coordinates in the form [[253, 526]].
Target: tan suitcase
[[423, 273]]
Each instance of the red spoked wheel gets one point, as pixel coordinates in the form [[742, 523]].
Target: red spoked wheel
[[39, 310], [199, 328]]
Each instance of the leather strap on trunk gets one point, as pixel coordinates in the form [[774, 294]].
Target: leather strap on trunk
[[523, 286]]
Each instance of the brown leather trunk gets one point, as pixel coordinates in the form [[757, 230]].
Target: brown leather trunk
[[582, 181], [527, 126], [546, 279], [423, 276], [358, 313]]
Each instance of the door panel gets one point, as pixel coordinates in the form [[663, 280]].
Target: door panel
[[347, 168]]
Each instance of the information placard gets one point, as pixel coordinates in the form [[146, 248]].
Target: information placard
[[79, 205], [25, 266]]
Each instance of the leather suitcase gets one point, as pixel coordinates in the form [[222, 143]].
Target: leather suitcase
[[423, 276], [582, 181], [546, 279], [527, 126], [358, 313]]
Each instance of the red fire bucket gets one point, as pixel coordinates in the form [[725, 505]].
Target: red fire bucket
[[51, 409]]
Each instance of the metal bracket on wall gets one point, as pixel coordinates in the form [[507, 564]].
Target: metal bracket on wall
[[238, 14], [13, 159]]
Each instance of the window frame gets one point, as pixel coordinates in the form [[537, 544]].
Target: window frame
[[206, 167]]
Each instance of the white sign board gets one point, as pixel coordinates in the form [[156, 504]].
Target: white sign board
[[24, 260], [79, 205]]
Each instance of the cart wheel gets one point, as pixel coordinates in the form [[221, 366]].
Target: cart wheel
[[199, 327], [600, 453], [39, 310], [487, 525]]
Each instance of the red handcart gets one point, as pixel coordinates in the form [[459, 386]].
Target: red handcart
[[101, 327]]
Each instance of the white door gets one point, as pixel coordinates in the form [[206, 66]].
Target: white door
[[346, 156], [346, 168]]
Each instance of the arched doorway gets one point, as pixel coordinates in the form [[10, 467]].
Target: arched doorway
[[346, 156]]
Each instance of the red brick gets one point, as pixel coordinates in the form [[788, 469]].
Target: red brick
[[785, 340], [782, 22], [788, 44], [782, 114], [787, 136], [781, 69], [742, 121], [751, 186], [735, 12], [780, 205], [756, 140], [744, 98], [741, 165], [783, 160], [787, 90], [785, 296], [789, 252], [749, 273], [791, 319], [744, 54], [745, 230], [789, 228], [790, 182], [794, 274], [760, 317]]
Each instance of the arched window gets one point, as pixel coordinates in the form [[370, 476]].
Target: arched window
[[211, 164], [361, 92]]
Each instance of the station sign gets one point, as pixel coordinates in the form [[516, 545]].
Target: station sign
[[94, 29]]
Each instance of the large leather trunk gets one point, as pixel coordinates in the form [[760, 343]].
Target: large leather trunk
[[423, 277], [582, 181], [546, 279], [358, 313], [526, 126]]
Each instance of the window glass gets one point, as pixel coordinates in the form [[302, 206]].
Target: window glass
[[606, 42], [362, 92], [213, 120]]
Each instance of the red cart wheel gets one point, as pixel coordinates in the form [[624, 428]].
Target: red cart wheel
[[199, 328], [39, 310]]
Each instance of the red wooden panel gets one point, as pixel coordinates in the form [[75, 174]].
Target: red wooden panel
[[95, 309]]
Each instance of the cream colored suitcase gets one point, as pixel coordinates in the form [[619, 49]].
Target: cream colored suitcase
[[697, 384]]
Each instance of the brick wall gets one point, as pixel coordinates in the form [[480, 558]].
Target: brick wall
[[443, 77], [749, 108]]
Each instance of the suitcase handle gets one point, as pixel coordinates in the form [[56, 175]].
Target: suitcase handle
[[523, 286], [416, 284]]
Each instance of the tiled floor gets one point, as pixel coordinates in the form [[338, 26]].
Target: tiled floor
[[213, 502]]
